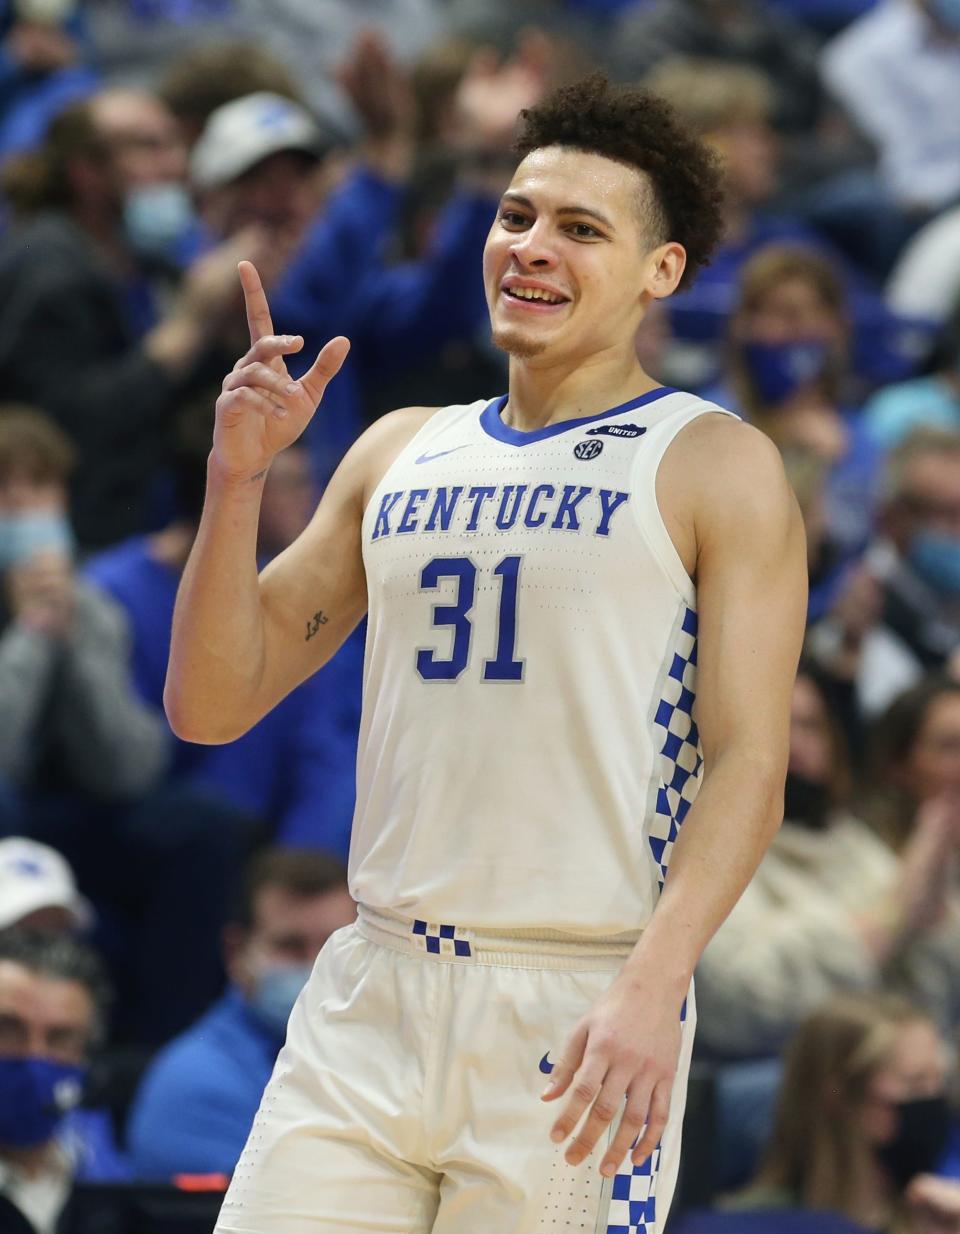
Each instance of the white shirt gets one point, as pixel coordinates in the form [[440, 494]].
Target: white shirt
[[900, 81]]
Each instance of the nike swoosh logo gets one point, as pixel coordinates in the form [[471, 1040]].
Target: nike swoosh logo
[[546, 1066], [428, 458]]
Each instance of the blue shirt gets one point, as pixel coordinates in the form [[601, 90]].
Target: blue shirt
[[196, 1103], [88, 1139], [296, 767]]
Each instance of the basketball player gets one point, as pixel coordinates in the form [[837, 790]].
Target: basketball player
[[550, 578]]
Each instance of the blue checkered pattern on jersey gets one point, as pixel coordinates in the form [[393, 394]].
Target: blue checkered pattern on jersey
[[441, 940], [680, 758], [633, 1200]]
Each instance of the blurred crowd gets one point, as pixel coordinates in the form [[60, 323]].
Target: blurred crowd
[[161, 903]]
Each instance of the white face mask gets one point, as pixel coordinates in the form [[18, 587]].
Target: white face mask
[[156, 216], [275, 990], [23, 536]]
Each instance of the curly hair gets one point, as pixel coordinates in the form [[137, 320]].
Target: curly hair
[[635, 127]]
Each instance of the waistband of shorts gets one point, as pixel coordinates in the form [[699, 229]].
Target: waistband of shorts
[[537, 948]]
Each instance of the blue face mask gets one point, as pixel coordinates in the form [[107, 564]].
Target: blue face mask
[[777, 370], [947, 12], [936, 558], [275, 992], [23, 536], [35, 1094], [156, 216]]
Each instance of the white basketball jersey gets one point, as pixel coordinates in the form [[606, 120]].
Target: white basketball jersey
[[527, 750]]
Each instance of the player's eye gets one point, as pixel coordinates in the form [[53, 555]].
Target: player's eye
[[513, 218], [583, 231]]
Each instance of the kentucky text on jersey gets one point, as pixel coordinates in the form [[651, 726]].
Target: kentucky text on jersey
[[483, 507]]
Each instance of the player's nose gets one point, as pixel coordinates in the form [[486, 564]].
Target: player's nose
[[533, 250]]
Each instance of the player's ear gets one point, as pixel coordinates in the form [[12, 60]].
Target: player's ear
[[665, 267]]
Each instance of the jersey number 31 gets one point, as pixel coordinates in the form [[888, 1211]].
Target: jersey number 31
[[504, 666]]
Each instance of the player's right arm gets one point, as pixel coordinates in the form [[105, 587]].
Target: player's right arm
[[241, 642]]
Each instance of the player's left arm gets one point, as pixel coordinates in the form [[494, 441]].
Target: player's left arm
[[748, 540]]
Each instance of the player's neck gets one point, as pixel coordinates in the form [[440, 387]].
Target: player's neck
[[549, 394]]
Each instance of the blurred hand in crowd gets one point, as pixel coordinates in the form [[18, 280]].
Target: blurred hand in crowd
[[379, 88], [929, 863], [40, 47], [933, 1205], [41, 593], [493, 91], [856, 610], [209, 305]]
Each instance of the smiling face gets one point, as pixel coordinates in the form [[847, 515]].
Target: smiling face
[[571, 264]]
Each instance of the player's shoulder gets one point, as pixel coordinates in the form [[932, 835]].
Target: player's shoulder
[[722, 446], [723, 468]]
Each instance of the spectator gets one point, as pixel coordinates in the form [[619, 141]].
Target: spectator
[[301, 754], [731, 106], [64, 689], [338, 282], [897, 72], [206, 77], [43, 67], [52, 1008], [788, 371], [915, 768], [196, 1103], [929, 401], [80, 332], [862, 1121], [830, 909], [38, 892], [743, 32], [84, 758], [915, 575]]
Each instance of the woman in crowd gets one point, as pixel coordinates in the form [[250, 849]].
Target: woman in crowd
[[916, 778], [862, 1120], [831, 909], [788, 372]]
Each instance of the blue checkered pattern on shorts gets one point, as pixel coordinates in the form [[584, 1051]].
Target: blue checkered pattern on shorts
[[441, 939], [633, 1200], [680, 757]]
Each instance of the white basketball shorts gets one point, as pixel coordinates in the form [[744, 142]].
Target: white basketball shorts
[[407, 1097]]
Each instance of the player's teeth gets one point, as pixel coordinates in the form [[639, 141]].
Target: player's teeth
[[535, 293]]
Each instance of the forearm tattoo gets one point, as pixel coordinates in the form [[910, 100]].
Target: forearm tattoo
[[314, 624]]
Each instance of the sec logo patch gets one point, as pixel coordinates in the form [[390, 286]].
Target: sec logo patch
[[587, 449]]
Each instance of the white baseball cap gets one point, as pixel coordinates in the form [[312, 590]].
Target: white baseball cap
[[247, 130], [35, 876]]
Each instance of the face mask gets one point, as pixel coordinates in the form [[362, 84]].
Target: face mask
[[778, 370], [805, 802], [275, 992], [23, 536], [35, 1094], [155, 216], [923, 1128], [947, 12], [936, 558]]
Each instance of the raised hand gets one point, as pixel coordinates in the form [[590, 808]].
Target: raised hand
[[261, 409], [493, 91]]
